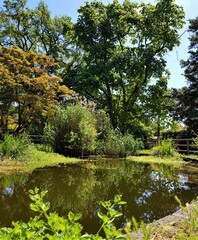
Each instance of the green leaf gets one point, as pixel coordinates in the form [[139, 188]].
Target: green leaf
[[70, 216], [122, 203], [117, 198], [102, 216], [77, 216]]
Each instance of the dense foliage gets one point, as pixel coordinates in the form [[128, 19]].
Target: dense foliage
[[71, 131], [164, 149], [28, 91], [76, 131], [35, 29], [110, 56], [187, 97], [14, 146], [156, 102], [122, 48]]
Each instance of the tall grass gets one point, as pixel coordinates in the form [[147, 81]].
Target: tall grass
[[164, 149], [14, 146]]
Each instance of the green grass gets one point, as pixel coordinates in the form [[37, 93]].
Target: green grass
[[154, 159], [33, 159], [191, 156], [39, 159]]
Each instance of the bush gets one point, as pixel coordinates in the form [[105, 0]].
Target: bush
[[14, 146], [131, 145], [71, 131], [165, 149], [113, 144], [103, 124], [118, 145]]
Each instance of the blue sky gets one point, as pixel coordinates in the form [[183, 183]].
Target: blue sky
[[177, 80]]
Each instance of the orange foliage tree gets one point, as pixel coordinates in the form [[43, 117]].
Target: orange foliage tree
[[28, 89]]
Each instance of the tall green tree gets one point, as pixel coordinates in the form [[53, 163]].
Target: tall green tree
[[156, 105], [187, 97], [35, 29], [122, 48]]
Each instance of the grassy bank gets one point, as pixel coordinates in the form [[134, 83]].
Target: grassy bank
[[154, 159], [33, 159], [37, 158]]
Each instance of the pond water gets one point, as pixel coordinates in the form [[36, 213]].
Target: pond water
[[149, 191]]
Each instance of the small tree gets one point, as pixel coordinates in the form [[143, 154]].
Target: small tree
[[28, 90]]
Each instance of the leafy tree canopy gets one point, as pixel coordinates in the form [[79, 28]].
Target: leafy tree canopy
[[35, 29], [28, 90], [156, 104], [122, 48], [187, 97]]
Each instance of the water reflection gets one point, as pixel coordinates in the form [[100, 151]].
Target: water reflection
[[148, 190]]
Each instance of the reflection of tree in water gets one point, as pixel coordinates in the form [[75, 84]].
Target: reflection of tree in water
[[13, 199], [149, 193]]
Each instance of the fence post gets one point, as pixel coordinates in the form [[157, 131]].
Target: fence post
[[187, 147]]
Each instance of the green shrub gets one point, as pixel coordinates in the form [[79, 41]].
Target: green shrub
[[113, 144], [103, 124], [132, 146], [14, 146], [165, 149], [71, 131]]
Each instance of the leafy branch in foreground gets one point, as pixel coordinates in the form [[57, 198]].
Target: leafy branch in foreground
[[51, 226], [46, 225]]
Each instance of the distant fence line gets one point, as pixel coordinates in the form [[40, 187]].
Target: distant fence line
[[182, 145], [36, 138]]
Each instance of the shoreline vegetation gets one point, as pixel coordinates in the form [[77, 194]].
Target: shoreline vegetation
[[35, 158], [169, 227]]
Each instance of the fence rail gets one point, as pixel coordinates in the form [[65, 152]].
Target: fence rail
[[183, 145], [36, 138]]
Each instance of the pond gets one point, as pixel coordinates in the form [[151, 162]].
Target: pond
[[149, 190]]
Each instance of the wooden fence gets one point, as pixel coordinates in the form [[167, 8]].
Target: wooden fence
[[185, 145], [36, 138], [182, 145]]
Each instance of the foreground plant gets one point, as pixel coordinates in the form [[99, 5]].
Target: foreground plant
[[191, 224], [46, 225], [51, 226]]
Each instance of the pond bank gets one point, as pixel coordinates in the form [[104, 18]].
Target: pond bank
[[170, 226], [62, 164], [40, 159]]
